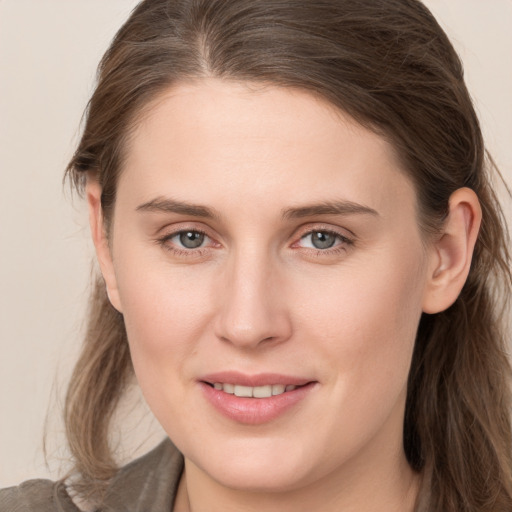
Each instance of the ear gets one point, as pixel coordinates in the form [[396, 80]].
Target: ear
[[451, 252], [99, 237]]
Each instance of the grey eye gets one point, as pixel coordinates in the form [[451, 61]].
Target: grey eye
[[320, 239], [323, 239], [191, 239]]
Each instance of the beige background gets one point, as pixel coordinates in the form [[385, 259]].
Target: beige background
[[48, 53]]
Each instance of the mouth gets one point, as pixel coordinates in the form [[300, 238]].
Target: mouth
[[264, 391], [255, 399]]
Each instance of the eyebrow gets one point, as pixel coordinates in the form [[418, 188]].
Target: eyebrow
[[329, 208], [166, 205]]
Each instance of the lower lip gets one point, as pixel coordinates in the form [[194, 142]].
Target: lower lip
[[254, 411]]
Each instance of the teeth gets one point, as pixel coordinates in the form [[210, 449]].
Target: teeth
[[277, 389], [228, 388], [254, 392], [243, 391], [262, 391]]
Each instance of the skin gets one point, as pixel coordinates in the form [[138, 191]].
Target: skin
[[257, 296]]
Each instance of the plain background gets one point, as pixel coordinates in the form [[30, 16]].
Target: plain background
[[49, 50]]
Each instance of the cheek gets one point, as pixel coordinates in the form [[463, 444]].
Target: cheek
[[365, 323], [165, 310], [165, 315]]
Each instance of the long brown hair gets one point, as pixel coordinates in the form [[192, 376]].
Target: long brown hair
[[389, 65]]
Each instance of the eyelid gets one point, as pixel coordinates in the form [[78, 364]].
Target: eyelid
[[179, 227], [344, 242], [170, 236], [167, 233], [309, 228], [345, 236]]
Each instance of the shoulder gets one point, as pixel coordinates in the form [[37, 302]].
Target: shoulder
[[36, 496], [147, 483]]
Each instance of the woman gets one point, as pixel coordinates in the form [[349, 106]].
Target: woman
[[301, 259]]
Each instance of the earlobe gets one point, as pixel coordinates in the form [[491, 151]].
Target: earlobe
[[100, 240], [452, 251]]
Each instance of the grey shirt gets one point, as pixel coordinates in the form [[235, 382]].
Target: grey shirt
[[148, 484]]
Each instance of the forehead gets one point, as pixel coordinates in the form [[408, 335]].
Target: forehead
[[221, 137]]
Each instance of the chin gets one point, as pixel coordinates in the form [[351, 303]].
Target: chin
[[259, 479], [262, 465]]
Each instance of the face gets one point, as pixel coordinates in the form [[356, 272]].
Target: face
[[267, 259]]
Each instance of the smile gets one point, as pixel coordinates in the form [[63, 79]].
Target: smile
[[265, 391], [254, 399]]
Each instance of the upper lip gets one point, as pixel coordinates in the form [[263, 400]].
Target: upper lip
[[260, 379]]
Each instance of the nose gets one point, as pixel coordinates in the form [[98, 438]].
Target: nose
[[252, 308]]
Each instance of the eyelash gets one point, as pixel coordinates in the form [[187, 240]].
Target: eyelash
[[342, 246], [343, 242], [183, 252]]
